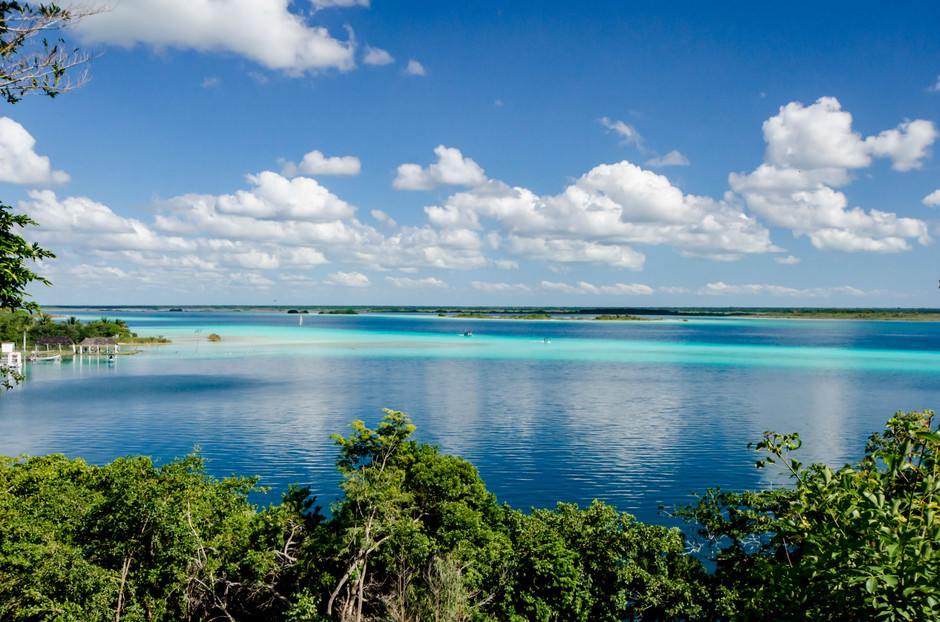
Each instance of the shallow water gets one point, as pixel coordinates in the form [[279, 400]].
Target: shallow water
[[637, 414]]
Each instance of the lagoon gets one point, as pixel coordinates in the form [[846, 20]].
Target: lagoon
[[637, 414]]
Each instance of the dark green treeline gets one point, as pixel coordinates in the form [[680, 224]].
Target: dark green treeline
[[416, 536]]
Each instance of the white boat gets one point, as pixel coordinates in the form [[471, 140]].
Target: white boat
[[39, 359]]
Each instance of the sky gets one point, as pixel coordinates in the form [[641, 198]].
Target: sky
[[370, 152]]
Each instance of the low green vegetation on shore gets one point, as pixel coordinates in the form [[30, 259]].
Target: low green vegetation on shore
[[587, 312], [13, 326], [619, 318], [489, 316], [415, 535], [855, 314]]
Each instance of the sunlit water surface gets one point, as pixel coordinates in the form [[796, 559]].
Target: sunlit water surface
[[637, 414]]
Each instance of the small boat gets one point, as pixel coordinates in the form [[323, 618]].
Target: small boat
[[546, 340], [39, 359], [468, 333]]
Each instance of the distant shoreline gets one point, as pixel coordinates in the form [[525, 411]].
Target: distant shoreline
[[543, 313]]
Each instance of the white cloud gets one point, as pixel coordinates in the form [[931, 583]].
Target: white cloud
[[250, 279], [506, 264], [278, 224], [275, 198], [933, 199], [788, 260], [575, 251], [500, 288], [19, 163], [627, 289], [907, 145], [265, 31], [628, 134], [814, 137], [349, 279], [211, 82], [299, 213], [601, 217], [673, 158], [322, 4], [377, 56], [722, 289], [315, 163], [583, 287], [406, 283], [564, 288], [451, 169], [936, 87], [78, 222], [388, 223], [672, 290], [415, 68], [810, 150]]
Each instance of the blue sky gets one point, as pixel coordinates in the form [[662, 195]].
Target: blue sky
[[489, 153]]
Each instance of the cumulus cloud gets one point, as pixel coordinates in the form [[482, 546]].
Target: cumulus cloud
[[583, 287], [265, 31], [500, 288], [722, 289], [933, 199], [628, 134], [406, 283], [810, 151], [322, 4], [935, 87], [388, 223], [601, 217], [79, 222], [377, 56], [349, 279], [315, 163], [19, 163], [627, 289], [906, 145], [673, 158], [274, 198], [211, 82], [450, 169], [788, 260], [415, 68], [275, 228]]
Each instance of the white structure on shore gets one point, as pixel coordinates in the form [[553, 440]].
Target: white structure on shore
[[10, 358]]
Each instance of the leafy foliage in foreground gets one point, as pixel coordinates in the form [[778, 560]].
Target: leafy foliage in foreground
[[135, 542], [416, 536], [860, 543]]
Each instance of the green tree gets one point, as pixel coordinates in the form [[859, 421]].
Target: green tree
[[416, 535], [861, 543], [374, 508], [29, 63], [132, 541], [597, 564]]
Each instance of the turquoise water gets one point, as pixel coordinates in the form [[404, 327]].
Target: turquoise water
[[637, 414]]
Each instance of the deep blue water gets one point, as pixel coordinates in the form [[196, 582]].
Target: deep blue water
[[637, 414]]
